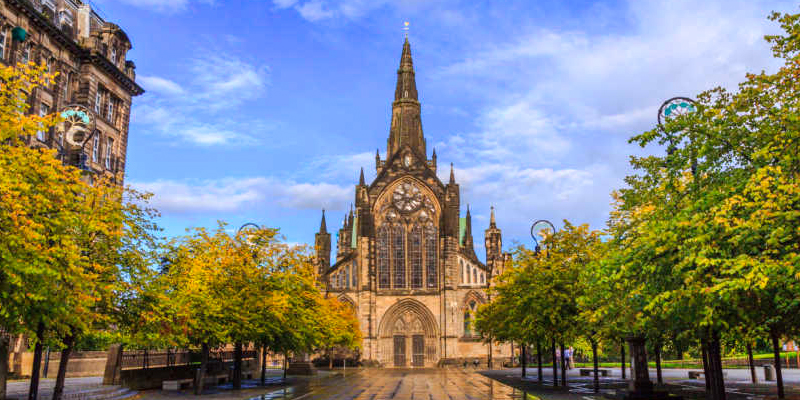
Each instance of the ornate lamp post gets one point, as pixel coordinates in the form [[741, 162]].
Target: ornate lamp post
[[537, 227]]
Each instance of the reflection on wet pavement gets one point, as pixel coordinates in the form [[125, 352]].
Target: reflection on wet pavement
[[430, 384]]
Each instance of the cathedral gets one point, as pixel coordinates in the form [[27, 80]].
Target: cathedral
[[405, 258]]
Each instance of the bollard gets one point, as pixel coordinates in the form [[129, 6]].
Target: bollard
[[769, 372]]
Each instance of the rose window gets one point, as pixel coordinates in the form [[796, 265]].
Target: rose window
[[407, 197]]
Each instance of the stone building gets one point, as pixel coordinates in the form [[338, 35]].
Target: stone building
[[95, 81], [405, 259]]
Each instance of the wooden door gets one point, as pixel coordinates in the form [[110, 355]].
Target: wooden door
[[418, 350], [399, 351]]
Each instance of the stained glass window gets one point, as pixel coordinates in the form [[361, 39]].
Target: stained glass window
[[415, 255], [467, 331], [347, 277], [398, 256], [474, 275], [383, 257], [432, 271]]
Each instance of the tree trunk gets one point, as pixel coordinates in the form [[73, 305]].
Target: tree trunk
[[539, 360], [596, 367], [715, 364], [524, 360], [330, 358], [659, 378], [752, 364], [284, 366], [622, 351], [237, 365], [5, 343], [776, 349], [263, 364], [563, 367], [706, 368], [555, 365], [33, 393], [201, 373], [58, 390]]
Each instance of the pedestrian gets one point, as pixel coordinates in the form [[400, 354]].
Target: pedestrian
[[571, 357], [568, 358]]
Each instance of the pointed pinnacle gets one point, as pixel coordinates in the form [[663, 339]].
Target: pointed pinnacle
[[323, 228], [492, 222], [452, 174], [361, 178]]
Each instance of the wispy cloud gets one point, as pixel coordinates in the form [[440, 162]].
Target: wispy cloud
[[242, 194], [189, 111]]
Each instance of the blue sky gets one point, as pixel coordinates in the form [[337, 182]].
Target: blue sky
[[265, 111]]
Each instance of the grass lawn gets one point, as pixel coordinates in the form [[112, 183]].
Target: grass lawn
[[695, 363]]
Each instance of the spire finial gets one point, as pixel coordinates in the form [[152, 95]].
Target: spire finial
[[361, 178], [452, 174], [323, 228], [492, 223], [405, 28]]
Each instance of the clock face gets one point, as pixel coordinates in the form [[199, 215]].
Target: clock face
[[407, 197], [407, 160]]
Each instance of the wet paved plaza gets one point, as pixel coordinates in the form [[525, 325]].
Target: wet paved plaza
[[428, 384]]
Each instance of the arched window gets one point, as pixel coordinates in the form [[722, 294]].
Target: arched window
[[355, 275], [483, 278], [469, 315], [399, 256], [474, 275], [463, 277], [432, 271], [383, 257], [347, 276], [415, 254]]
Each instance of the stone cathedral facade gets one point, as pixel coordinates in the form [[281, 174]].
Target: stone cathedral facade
[[405, 259]]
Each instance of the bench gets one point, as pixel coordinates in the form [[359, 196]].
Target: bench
[[177, 384], [696, 374], [218, 379], [590, 371]]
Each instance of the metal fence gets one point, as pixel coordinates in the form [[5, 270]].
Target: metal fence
[[143, 359]]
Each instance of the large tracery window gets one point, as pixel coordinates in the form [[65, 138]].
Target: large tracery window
[[398, 256], [347, 277], [383, 257], [415, 254], [430, 256]]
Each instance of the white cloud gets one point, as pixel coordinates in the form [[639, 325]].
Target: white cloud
[[320, 10], [242, 194], [165, 6], [160, 85]]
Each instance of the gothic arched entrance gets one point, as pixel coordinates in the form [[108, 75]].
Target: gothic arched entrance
[[408, 335]]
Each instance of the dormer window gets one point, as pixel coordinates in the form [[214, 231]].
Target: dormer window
[[65, 18]]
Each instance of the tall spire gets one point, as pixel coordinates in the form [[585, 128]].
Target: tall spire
[[452, 175], [492, 223], [361, 178], [323, 228], [406, 128]]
